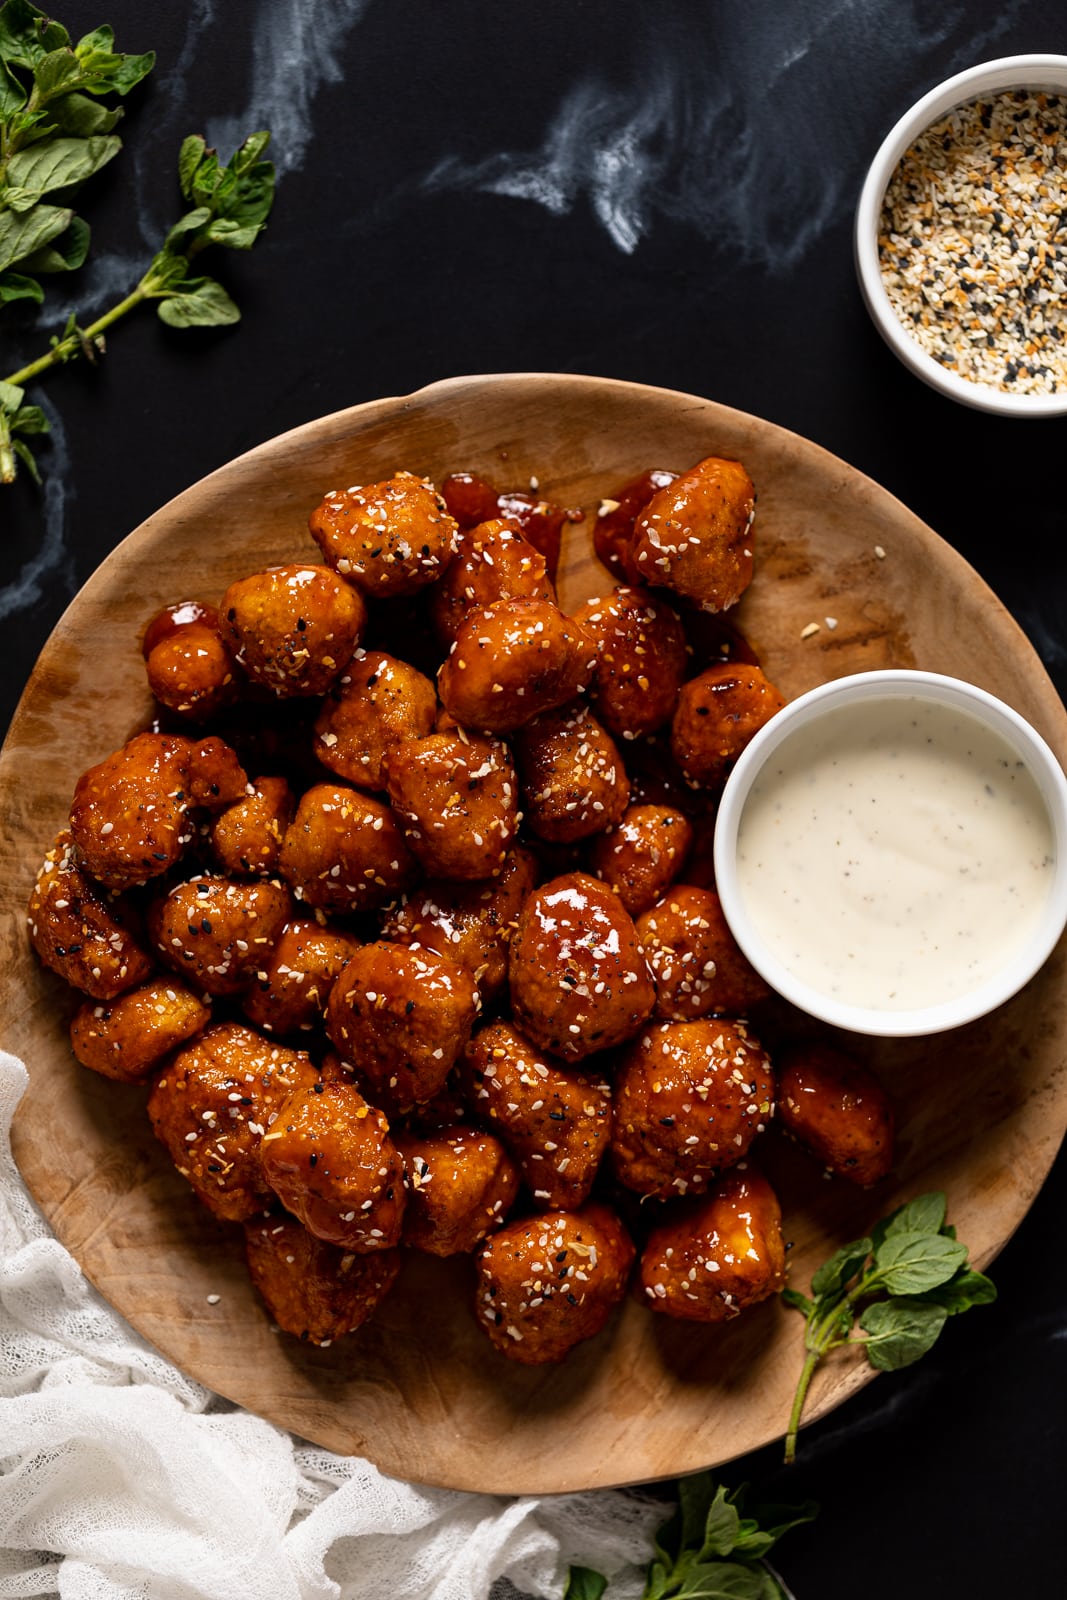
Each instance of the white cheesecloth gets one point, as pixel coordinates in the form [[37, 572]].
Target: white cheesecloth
[[120, 1479]]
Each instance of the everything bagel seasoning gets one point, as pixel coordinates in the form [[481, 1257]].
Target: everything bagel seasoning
[[972, 241]]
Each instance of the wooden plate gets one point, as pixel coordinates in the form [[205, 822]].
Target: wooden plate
[[419, 1390]]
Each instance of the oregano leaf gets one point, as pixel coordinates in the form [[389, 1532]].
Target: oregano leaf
[[57, 163], [584, 1584], [64, 253], [23, 233], [912, 1263], [843, 1265], [17, 286], [968, 1288], [200, 303], [900, 1330]]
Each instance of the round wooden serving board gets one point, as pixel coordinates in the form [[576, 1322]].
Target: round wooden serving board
[[419, 1390]]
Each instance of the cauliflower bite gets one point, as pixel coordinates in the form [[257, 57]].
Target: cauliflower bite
[[579, 981], [696, 962], [312, 1289], [456, 799], [838, 1110], [510, 662], [247, 836], [189, 668], [293, 629], [377, 703], [549, 1282], [218, 932], [492, 562], [471, 500], [573, 781], [613, 530], [344, 851], [294, 979], [641, 660], [716, 1255], [129, 816], [690, 1097], [695, 536], [642, 854], [126, 1038], [212, 1104], [471, 923], [461, 1185], [330, 1160], [388, 538], [81, 930], [402, 1016], [718, 713], [557, 1124]]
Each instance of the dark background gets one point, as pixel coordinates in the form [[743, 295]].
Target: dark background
[[659, 192]]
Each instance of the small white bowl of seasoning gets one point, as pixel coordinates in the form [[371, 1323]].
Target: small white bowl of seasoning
[[891, 852], [959, 248]]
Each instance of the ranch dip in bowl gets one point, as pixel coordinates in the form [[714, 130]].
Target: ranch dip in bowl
[[891, 852]]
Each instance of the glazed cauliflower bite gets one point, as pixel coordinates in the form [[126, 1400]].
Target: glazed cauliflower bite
[[376, 704], [292, 629], [294, 979], [126, 1038], [330, 1160], [574, 784], [81, 930], [218, 932], [461, 1185], [642, 854], [578, 978], [211, 1105], [456, 799], [697, 964], [695, 536], [838, 1111], [388, 538], [717, 1255], [549, 1282], [717, 714], [492, 562], [314, 1290], [641, 660], [130, 814], [401, 1016], [471, 923], [690, 1097], [247, 836], [344, 851], [556, 1123], [511, 661]]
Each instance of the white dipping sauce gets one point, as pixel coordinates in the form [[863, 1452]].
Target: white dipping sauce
[[896, 854]]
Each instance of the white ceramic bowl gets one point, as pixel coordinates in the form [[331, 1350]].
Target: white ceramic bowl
[[807, 718], [991, 77]]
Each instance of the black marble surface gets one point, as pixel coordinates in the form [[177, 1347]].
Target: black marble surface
[[659, 192]]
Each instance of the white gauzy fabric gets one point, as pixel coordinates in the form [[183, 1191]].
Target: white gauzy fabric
[[121, 1479]]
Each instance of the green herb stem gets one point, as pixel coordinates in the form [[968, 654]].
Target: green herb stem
[[8, 464], [74, 344], [807, 1372]]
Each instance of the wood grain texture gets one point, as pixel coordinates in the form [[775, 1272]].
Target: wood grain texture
[[419, 1390]]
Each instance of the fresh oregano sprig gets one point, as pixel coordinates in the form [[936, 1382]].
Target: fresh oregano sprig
[[713, 1547], [902, 1283], [55, 132], [229, 206]]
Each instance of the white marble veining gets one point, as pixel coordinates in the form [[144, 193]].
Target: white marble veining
[[749, 137], [298, 46], [52, 559]]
